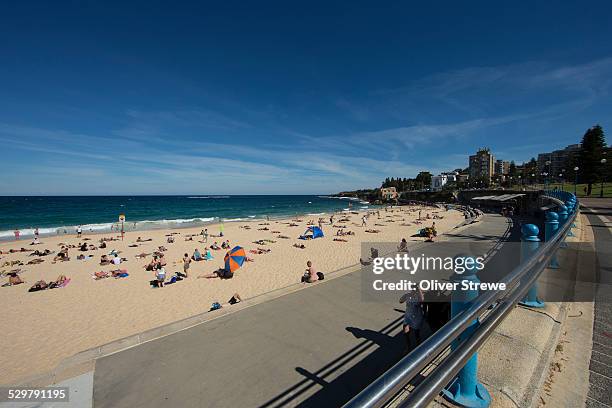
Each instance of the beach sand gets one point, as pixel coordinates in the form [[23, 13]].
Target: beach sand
[[40, 329]]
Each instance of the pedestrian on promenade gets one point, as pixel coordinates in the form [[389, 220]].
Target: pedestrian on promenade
[[413, 318]]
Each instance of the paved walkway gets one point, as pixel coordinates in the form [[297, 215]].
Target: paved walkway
[[314, 347], [599, 214]]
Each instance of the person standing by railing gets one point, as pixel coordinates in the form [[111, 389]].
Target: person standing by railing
[[413, 318]]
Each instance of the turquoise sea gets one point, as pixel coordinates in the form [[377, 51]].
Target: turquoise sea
[[61, 215]]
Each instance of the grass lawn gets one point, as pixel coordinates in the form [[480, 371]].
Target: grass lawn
[[580, 188]]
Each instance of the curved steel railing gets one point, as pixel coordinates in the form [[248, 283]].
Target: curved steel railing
[[387, 386]]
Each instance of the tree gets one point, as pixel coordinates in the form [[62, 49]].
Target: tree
[[424, 179], [591, 153]]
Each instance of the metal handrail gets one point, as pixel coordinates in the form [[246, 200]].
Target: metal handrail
[[387, 386]]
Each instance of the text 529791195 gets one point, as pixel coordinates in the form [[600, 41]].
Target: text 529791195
[[25, 394]]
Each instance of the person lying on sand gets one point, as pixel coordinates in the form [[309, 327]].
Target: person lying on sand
[[38, 286], [215, 246], [14, 279], [104, 260], [263, 229], [62, 255], [60, 282], [372, 231], [283, 237], [139, 239], [219, 273], [142, 255], [36, 261], [41, 253], [12, 251], [260, 242], [340, 240], [275, 232], [36, 241], [300, 246]]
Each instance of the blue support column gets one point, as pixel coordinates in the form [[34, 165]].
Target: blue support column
[[570, 210], [466, 390], [550, 229], [529, 245], [563, 215]]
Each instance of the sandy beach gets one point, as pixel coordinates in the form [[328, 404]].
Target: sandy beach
[[42, 328]]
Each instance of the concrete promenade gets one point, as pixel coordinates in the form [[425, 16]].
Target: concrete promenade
[[599, 215], [314, 347]]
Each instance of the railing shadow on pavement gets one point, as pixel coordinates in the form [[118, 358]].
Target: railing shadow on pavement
[[389, 348]]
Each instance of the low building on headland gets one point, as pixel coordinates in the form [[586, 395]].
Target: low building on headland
[[438, 182], [388, 193]]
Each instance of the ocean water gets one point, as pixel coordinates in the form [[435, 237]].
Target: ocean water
[[61, 215]]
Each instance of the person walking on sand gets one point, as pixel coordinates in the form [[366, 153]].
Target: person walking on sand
[[160, 274], [36, 234], [186, 264], [79, 231], [17, 233], [364, 222]]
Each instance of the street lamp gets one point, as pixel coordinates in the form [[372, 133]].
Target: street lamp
[[561, 178], [576, 178], [545, 175], [603, 174]]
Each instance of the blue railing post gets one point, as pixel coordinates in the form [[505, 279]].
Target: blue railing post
[[466, 390], [563, 216], [529, 245], [570, 210], [550, 229]]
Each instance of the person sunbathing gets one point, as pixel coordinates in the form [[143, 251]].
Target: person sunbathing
[[60, 282], [197, 256], [62, 255], [219, 273], [300, 246], [41, 253], [340, 240], [207, 254], [40, 285], [283, 237], [14, 279], [372, 231], [215, 246], [100, 275], [104, 260], [36, 261]]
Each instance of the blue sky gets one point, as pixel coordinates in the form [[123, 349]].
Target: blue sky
[[283, 97]]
